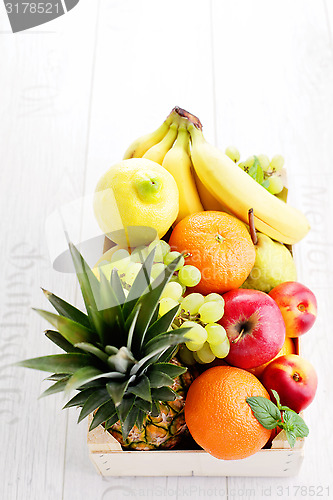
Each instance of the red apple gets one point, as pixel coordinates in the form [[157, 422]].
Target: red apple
[[254, 326], [298, 306], [293, 378]]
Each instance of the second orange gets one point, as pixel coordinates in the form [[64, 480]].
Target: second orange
[[219, 245]]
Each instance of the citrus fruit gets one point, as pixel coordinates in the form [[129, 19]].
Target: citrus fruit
[[219, 245], [218, 416], [136, 192], [287, 348]]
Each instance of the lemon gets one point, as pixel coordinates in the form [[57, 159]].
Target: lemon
[[135, 200]]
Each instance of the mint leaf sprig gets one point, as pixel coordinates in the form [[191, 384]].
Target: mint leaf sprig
[[271, 415]]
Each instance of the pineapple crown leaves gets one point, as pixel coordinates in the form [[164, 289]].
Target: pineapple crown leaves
[[117, 354]]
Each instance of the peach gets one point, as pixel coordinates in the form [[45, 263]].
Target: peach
[[298, 306], [293, 378]]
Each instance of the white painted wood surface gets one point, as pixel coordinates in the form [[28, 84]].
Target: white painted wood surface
[[74, 93]]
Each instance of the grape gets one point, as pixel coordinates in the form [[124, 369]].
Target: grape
[[197, 335], [156, 270], [221, 350], [162, 249], [186, 356], [275, 184], [205, 355], [210, 312], [192, 302], [264, 162], [175, 279], [166, 304], [139, 254], [277, 163], [131, 272], [214, 297], [171, 256], [233, 153], [172, 290], [119, 255], [189, 275], [216, 333]]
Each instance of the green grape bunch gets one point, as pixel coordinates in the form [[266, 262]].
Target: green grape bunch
[[268, 173]]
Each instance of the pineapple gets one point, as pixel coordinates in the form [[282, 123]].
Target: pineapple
[[119, 357]]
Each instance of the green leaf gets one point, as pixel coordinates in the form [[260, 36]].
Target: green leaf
[[140, 419], [82, 376], [145, 406], [140, 285], [155, 410], [129, 422], [57, 376], [89, 284], [256, 172], [95, 400], [165, 340], [125, 407], [59, 386], [117, 390], [265, 183], [162, 324], [158, 379], [117, 287], [266, 412], [104, 412], [98, 322], [111, 421], [142, 388], [92, 349], [277, 398], [59, 363], [169, 369], [149, 303], [67, 310], [300, 427], [80, 398], [132, 327], [72, 331], [291, 437], [164, 394], [166, 355], [60, 341]]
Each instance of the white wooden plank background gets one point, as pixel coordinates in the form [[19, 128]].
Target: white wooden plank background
[[74, 93]]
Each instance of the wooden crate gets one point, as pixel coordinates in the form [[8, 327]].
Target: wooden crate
[[111, 460]]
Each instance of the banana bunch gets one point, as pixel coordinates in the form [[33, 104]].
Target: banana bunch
[[169, 146], [207, 179]]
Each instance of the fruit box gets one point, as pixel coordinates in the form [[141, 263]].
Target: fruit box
[[106, 453], [111, 460]]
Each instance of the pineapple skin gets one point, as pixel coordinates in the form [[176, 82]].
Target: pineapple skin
[[164, 431]]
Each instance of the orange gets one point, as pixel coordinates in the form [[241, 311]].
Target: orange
[[218, 416], [219, 245], [287, 348]]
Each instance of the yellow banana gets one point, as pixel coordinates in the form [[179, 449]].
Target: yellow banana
[[178, 163], [139, 147], [159, 150], [209, 202], [235, 189]]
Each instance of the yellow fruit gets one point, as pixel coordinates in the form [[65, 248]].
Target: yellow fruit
[[136, 192]]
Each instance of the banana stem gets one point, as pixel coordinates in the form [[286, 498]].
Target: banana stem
[[189, 116], [253, 231]]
